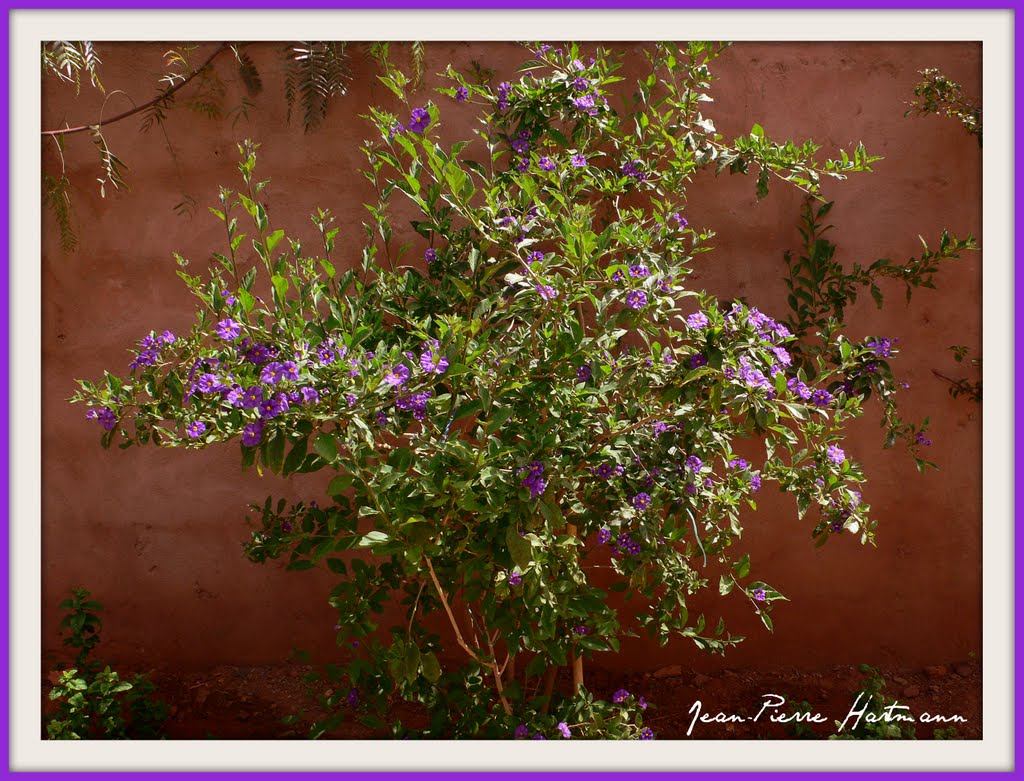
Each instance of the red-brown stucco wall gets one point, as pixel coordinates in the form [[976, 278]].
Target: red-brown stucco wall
[[156, 534]]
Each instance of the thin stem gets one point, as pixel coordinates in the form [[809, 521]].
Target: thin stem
[[131, 112]]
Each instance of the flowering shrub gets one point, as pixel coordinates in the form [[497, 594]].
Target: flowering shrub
[[526, 414]]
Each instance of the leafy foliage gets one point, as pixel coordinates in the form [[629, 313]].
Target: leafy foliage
[[937, 94], [527, 424], [68, 60], [93, 702], [315, 72]]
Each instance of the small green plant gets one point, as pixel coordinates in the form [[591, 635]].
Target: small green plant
[[937, 94], [95, 702], [963, 386], [880, 719]]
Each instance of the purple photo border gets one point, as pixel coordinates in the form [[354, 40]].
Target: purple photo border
[[7, 6]]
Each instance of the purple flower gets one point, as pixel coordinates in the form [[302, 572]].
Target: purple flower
[[309, 395], [195, 429], [584, 103], [272, 407], [381, 418], [461, 94], [639, 271], [252, 433], [683, 222], [538, 736], [352, 698], [694, 463], [397, 375], [881, 347], [583, 373], [603, 536], [515, 579], [234, 396], [604, 471], [534, 479], [207, 383], [351, 399], [636, 299], [418, 120], [620, 696], [821, 397], [759, 594], [564, 729], [581, 629], [228, 329], [691, 489], [921, 439], [697, 360], [546, 164], [546, 292], [835, 454], [395, 129], [738, 463], [433, 363], [580, 84], [523, 165], [430, 255], [578, 161], [631, 169], [642, 501], [642, 703], [325, 355], [290, 371], [522, 731], [755, 483], [646, 734], [252, 397], [535, 257], [104, 416], [659, 427], [503, 92], [697, 320], [167, 337], [782, 354], [272, 373]]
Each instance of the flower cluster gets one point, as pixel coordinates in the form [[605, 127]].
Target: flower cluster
[[534, 479]]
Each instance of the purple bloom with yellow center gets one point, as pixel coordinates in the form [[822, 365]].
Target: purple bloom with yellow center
[[636, 299], [228, 329], [167, 337], [397, 375], [583, 373], [104, 416], [646, 734], [430, 255], [603, 536], [577, 161], [252, 433], [272, 373], [534, 479], [759, 594], [835, 454], [697, 360], [639, 271], [546, 164], [207, 383], [546, 292], [523, 165], [309, 395], [461, 94], [605, 471], [694, 463], [522, 731], [515, 579], [821, 397], [738, 463], [252, 397], [642, 501], [433, 362], [418, 120], [195, 429], [620, 696]]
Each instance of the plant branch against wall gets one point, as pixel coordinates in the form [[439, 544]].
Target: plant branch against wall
[[937, 94], [315, 73], [820, 290], [552, 261]]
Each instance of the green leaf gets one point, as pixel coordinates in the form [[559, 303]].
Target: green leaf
[[280, 286], [742, 567], [371, 539], [339, 485], [296, 456], [327, 448], [518, 547], [431, 667], [273, 239]]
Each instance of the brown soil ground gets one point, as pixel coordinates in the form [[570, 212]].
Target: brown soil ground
[[230, 702]]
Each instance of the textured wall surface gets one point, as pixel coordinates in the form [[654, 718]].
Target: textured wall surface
[[156, 534]]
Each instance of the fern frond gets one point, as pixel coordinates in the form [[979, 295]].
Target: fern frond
[[248, 72], [315, 72], [419, 58], [68, 60], [111, 165], [57, 198]]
